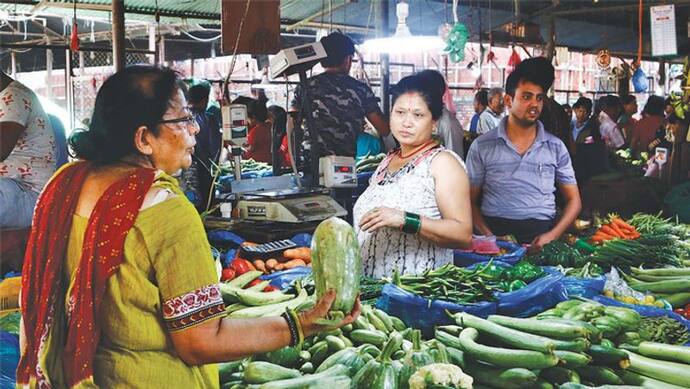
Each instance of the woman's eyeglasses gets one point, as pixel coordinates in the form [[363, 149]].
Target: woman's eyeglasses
[[185, 120]]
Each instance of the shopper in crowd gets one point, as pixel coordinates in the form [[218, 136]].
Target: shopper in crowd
[[119, 287], [555, 120], [277, 117], [416, 209], [668, 107], [342, 102], [568, 111], [258, 146], [481, 101], [27, 152], [645, 130], [610, 109], [493, 113], [589, 153], [514, 169], [448, 126], [626, 120], [208, 142]]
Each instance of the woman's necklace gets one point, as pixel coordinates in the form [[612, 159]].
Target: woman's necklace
[[415, 151]]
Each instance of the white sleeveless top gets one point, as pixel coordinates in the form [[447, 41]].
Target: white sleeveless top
[[411, 189]]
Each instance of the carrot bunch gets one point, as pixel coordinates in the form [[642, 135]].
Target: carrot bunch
[[300, 256], [616, 228]]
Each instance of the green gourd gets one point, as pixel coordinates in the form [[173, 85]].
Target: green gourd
[[380, 373], [349, 357], [336, 264]]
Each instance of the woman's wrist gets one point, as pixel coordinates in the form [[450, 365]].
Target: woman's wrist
[[412, 223]]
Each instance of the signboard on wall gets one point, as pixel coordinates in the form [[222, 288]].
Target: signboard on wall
[[663, 25], [260, 32]]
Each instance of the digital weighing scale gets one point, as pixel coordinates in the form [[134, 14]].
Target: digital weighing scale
[[289, 206]]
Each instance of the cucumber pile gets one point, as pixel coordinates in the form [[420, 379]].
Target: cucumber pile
[[369, 163]]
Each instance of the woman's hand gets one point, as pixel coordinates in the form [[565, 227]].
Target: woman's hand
[[382, 217], [307, 318]]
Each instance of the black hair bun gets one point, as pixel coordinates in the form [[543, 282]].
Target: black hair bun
[[87, 144]]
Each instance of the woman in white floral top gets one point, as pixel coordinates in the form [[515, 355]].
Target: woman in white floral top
[[27, 152]]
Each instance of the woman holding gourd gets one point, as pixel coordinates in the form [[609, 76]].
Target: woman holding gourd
[[416, 209], [119, 287]]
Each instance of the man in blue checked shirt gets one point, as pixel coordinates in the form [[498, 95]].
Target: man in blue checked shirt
[[515, 167]]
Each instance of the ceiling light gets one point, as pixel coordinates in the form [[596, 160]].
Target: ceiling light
[[403, 41]]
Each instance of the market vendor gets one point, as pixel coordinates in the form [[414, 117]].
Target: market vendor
[[339, 103], [258, 146], [416, 209], [513, 169], [119, 287], [27, 152]]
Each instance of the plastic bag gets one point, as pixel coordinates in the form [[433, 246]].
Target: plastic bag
[[467, 258], [584, 287], [418, 312], [536, 297], [225, 238], [283, 279], [302, 240], [639, 81], [9, 355]]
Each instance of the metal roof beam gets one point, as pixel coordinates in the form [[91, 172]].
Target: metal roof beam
[[128, 10], [613, 8], [323, 12]]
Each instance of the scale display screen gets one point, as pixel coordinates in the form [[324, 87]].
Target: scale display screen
[[304, 52], [342, 169]]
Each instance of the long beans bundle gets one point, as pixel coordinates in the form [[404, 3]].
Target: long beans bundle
[[650, 250], [655, 224], [451, 283]]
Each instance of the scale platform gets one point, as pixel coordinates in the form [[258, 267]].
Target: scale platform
[[290, 209]]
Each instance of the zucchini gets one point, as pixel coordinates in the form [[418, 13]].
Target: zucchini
[[319, 352], [503, 357], [349, 357], [456, 357], [560, 375], [369, 349], [677, 300], [594, 331], [599, 375], [305, 355], [335, 344], [572, 360], [272, 309], [514, 378], [336, 264], [375, 337], [576, 345], [307, 368], [383, 316], [346, 341], [542, 384], [541, 327], [260, 286], [259, 372], [243, 279], [447, 339], [398, 324], [670, 286], [631, 378], [347, 327], [226, 369], [305, 381], [665, 351], [361, 323], [451, 329], [609, 356], [286, 357], [506, 335], [670, 372], [670, 271]]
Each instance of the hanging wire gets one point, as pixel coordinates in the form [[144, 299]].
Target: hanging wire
[[200, 39], [226, 92]]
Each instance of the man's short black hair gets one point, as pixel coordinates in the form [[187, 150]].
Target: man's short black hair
[[655, 106], [627, 99], [536, 70], [583, 102], [198, 93], [482, 97], [338, 46]]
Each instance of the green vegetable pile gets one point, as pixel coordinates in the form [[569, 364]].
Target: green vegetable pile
[[558, 253], [464, 286], [650, 250], [663, 330], [247, 165]]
